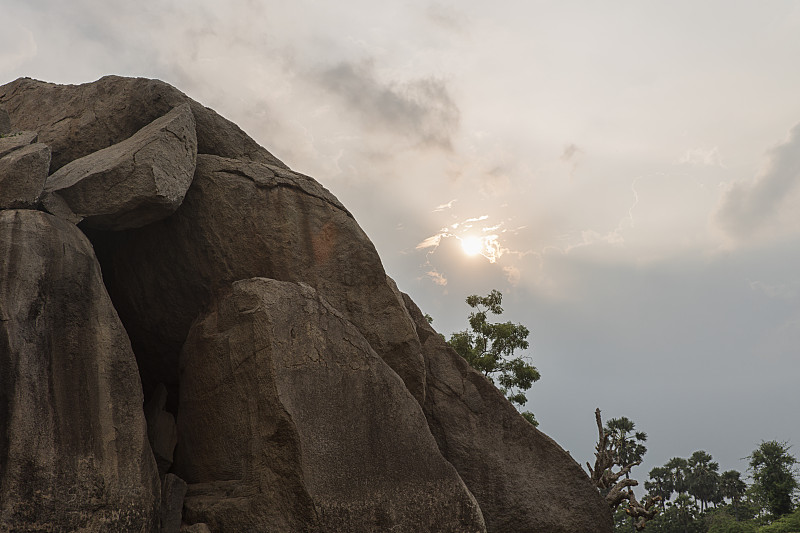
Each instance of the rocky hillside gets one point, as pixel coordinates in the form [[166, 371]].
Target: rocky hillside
[[193, 337]]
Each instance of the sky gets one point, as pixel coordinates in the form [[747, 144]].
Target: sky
[[626, 173]]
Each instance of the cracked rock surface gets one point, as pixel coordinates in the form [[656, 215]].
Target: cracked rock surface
[[317, 453], [132, 183]]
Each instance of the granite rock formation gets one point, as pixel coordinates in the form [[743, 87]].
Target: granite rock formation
[[243, 363], [73, 448]]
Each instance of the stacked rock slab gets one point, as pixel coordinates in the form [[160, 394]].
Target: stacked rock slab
[[23, 171], [272, 370], [132, 183], [313, 397], [77, 120], [73, 450]]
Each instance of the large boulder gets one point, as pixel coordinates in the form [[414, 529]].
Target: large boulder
[[240, 220], [523, 481], [130, 184], [22, 176], [76, 120], [74, 454], [14, 141], [289, 421]]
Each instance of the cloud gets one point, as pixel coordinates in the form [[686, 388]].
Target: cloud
[[437, 277], [570, 152], [421, 109], [442, 207], [512, 275], [18, 45], [446, 17], [702, 157], [749, 208], [431, 242]]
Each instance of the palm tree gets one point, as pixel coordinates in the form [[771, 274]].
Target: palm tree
[[732, 487], [626, 443], [660, 485], [703, 478], [678, 467]]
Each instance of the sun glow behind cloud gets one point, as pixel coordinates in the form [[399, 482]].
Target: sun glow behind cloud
[[474, 240]]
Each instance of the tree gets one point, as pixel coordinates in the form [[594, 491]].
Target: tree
[[774, 476], [489, 348], [733, 488], [626, 442], [678, 467], [660, 484], [613, 446], [686, 511], [703, 478]]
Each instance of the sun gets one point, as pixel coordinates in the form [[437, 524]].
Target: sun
[[472, 245]]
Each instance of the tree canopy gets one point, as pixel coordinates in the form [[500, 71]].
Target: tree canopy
[[489, 347], [774, 476]]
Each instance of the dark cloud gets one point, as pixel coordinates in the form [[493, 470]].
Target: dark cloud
[[749, 207], [422, 110]]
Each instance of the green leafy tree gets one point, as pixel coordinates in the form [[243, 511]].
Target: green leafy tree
[[774, 476], [703, 478], [489, 348], [789, 523]]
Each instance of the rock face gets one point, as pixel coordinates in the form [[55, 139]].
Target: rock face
[[243, 299], [77, 120], [5, 122], [14, 141], [240, 220], [484, 437], [22, 176], [274, 371], [132, 183], [73, 448]]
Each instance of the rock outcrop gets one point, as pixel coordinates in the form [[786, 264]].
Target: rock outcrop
[[77, 120], [240, 220], [73, 445], [22, 176], [484, 437], [130, 184], [273, 370], [289, 385]]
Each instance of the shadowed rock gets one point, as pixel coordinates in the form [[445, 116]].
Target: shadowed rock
[[162, 431], [22, 176], [289, 421], [73, 449], [130, 184], [523, 481], [241, 220], [76, 120], [173, 491]]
